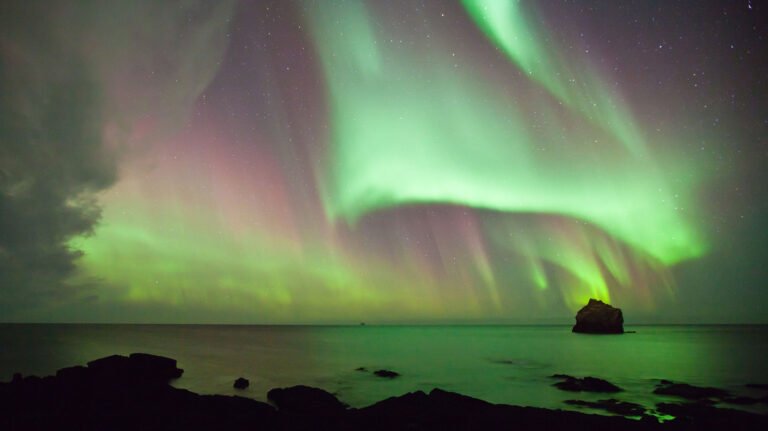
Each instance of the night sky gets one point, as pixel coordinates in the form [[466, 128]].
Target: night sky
[[389, 162]]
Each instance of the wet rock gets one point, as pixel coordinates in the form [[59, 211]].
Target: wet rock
[[684, 390], [623, 408], [241, 383], [586, 384], [598, 317], [362, 369], [387, 374]]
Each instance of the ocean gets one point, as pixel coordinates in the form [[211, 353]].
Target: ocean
[[500, 364]]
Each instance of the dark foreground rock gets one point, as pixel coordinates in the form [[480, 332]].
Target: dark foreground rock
[[306, 401], [598, 317], [586, 384], [84, 398]]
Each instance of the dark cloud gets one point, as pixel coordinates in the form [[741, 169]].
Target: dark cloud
[[74, 78], [51, 157]]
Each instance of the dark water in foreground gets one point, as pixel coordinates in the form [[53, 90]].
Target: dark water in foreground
[[502, 364]]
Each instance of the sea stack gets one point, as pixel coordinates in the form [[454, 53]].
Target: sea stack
[[598, 317]]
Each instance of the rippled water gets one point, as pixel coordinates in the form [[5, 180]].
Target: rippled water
[[505, 364]]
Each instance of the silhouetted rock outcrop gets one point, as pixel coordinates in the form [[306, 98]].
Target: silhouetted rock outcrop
[[141, 366], [598, 317], [306, 400], [587, 384]]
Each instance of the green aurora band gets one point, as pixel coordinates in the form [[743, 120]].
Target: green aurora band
[[411, 125], [564, 192]]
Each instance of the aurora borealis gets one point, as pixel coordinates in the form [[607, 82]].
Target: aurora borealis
[[345, 161]]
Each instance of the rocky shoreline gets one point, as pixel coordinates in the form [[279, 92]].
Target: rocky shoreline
[[133, 392]]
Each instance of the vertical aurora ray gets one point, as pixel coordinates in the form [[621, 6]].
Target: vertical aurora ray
[[571, 81]]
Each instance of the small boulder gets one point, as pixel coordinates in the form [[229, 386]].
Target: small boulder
[[387, 374], [598, 317], [241, 383]]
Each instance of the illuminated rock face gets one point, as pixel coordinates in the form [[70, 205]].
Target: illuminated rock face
[[598, 317]]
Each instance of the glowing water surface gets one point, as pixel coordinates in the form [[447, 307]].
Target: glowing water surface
[[502, 364]]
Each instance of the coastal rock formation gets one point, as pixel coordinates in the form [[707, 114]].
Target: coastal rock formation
[[142, 366], [241, 383], [78, 398], [598, 317]]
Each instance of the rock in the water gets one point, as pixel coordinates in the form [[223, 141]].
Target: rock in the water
[[587, 384], [241, 383], [387, 374], [684, 390], [598, 317]]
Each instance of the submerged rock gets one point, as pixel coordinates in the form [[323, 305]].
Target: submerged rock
[[587, 384], [598, 317], [241, 383]]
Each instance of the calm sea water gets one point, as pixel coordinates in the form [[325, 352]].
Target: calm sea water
[[502, 364]]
